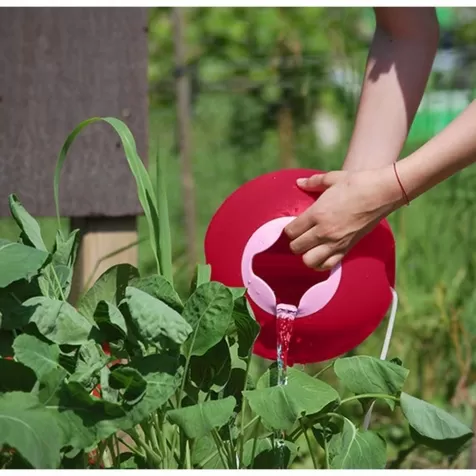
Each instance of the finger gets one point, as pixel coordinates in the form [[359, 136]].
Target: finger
[[299, 225], [319, 182], [306, 241], [332, 262], [316, 256]]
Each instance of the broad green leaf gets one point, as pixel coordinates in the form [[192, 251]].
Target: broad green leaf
[[6, 343], [247, 327], [30, 429], [212, 368], [267, 455], [40, 356], [132, 461], [354, 449], [205, 454], [163, 375], [158, 287], [238, 292], [433, 426], [108, 313], [15, 376], [58, 321], [236, 385], [28, 225], [156, 322], [281, 406], [201, 276], [19, 261], [208, 311], [109, 287], [12, 313], [91, 360], [56, 278], [198, 420], [130, 380], [364, 374]]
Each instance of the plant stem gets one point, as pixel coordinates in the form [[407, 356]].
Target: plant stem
[[129, 447], [297, 432], [188, 459], [110, 445], [308, 441], [159, 424], [243, 408], [382, 396], [153, 457], [255, 441], [219, 445], [326, 454], [327, 367]]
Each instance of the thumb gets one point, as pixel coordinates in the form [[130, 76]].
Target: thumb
[[320, 182]]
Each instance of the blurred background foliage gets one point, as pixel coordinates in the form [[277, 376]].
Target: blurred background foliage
[[278, 87]]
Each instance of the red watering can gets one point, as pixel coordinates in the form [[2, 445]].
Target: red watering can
[[333, 311]]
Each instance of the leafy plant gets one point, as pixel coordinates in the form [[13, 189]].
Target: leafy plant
[[136, 376]]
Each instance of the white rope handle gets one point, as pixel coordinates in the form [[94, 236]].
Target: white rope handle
[[385, 347]]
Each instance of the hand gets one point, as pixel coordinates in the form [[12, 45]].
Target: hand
[[351, 205]]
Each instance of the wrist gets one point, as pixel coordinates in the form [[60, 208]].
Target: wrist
[[393, 189]]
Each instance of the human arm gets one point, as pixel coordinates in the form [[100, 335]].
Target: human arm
[[397, 70], [353, 202]]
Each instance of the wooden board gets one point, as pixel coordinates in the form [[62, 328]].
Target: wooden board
[[59, 66], [104, 243]]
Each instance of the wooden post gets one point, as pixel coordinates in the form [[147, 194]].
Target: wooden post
[[104, 243], [58, 67], [184, 132]]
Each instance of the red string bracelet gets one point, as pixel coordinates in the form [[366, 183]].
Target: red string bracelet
[[400, 183]]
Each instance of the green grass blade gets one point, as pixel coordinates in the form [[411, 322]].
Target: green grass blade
[[165, 237], [145, 189]]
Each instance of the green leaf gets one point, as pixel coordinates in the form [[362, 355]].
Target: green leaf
[[280, 407], [353, 449], [6, 344], [40, 356], [61, 267], [58, 321], [130, 380], [28, 225], [198, 420], [238, 292], [91, 360], [108, 313], [434, 427], [18, 261], [205, 454], [109, 287], [247, 327], [12, 313], [15, 376], [156, 322], [364, 374], [164, 237], [236, 385], [163, 375], [158, 287], [30, 429], [145, 190], [267, 455], [208, 311], [212, 368]]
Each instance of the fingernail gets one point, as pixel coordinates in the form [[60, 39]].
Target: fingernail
[[301, 181]]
